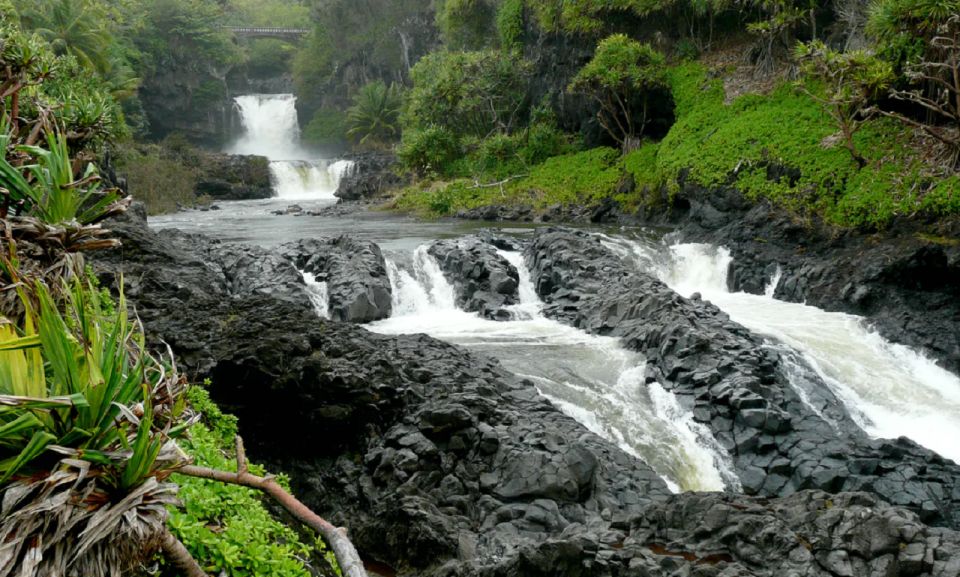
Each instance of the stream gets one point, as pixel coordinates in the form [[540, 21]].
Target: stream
[[890, 390]]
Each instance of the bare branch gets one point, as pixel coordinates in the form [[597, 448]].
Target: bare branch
[[179, 557], [347, 557]]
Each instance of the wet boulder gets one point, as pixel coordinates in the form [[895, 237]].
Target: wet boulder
[[782, 427], [484, 282], [355, 271]]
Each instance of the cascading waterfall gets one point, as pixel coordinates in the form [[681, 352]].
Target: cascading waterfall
[[890, 390], [271, 129], [593, 379], [318, 294]]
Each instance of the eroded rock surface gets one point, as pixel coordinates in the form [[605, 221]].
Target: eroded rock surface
[[440, 463], [355, 273], [780, 442], [484, 282]]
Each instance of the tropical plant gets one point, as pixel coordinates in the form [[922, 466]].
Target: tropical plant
[[54, 195], [76, 27], [470, 93], [375, 114], [429, 150], [87, 420], [851, 81], [622, 74], [932, 68]]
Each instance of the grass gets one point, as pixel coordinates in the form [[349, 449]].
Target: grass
[[775, 147]]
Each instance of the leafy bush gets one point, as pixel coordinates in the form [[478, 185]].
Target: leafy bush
[[469, 93], [620, 78], [510, 24], [226, 527], [327, 129], [466, 24], [429, 150], [161, 178], [269, 56]]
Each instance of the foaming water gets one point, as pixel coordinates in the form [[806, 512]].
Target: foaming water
[[593, 379], [889, 389], [271, 129], [318, 294]]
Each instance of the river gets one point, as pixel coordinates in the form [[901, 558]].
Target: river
[[890, 390]]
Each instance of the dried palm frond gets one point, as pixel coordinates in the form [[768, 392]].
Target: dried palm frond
[[68, 523]]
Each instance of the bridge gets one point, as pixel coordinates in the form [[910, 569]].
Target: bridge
[[261, 32]]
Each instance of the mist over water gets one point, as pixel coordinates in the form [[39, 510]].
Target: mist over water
[[272, 129]]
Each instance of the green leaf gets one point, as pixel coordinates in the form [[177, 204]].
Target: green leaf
[[37, 445]]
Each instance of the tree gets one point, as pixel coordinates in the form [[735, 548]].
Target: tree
[[75, 27], [469, 93], [851, 82], [932, 67], [375, 114], [622, 74]]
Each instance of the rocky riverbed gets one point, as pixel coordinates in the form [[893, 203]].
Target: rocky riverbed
[[440, 462]]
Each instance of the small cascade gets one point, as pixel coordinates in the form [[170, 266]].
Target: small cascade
[[271, 129], [591, 378], [771, 289], [530, 304], [890, 390], [318, 295]]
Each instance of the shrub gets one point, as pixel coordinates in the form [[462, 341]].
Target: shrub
[[374, 117], [158, 177], [621, 77], [327, 129], [429, 150], [469, 93]]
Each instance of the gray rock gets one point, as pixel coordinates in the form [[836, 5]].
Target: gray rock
[[483, 280], [355, 272]]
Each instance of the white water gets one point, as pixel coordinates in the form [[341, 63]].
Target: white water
[[318, 295], [592, 379], [271, 129], [889, 389]]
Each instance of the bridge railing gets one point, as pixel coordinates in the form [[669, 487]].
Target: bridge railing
[[266, 30]]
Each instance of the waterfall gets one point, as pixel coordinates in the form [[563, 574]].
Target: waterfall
[[318, 295], [271, 129], [890, 390], [593, 379]]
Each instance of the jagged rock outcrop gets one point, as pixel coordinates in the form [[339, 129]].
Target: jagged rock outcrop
[[780, 441], [234, 177], [442, 464], [355, 272], [905, 280], [484, 282], [373, 175]]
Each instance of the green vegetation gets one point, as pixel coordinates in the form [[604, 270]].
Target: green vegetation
[[623, 72], [374, 118], [227, 526], [469, 93]]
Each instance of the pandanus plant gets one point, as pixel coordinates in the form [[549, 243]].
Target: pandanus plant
[[87, 422]]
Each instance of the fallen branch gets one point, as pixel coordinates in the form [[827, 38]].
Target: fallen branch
[[179, 557], [500, 183], [347, 557]]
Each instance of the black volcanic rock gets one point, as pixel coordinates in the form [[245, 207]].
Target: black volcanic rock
[[355, 272], [780, 442], [483, 281], [442, 464]]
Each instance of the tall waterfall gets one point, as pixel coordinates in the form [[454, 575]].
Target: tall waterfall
[[271, 129]]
